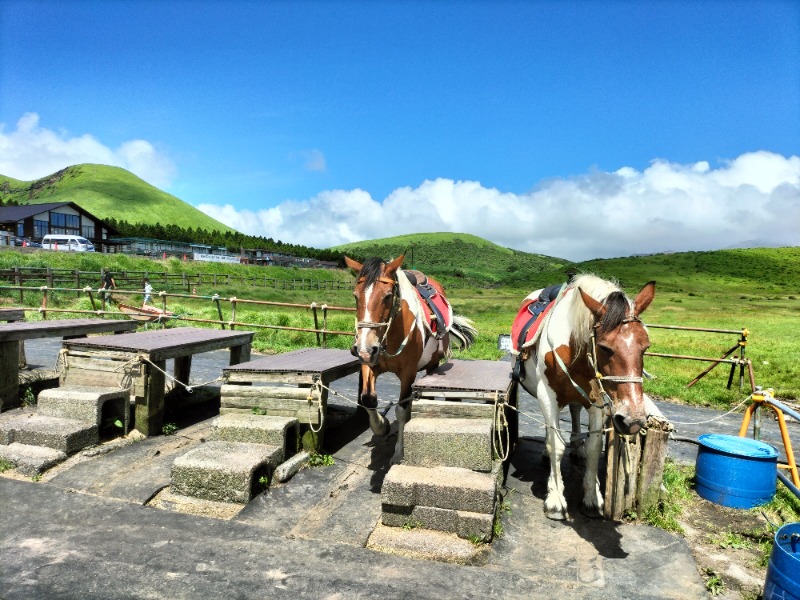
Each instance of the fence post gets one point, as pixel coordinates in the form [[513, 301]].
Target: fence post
[[18, 281], [164, 308], [215, 298], [77, 282], [50, 277], [233, 312], [324, 325], [316, 323], [44, 303]]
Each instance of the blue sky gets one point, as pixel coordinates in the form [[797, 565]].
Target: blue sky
[[576, 129]]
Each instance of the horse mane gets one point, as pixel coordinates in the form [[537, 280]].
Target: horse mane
[[371, 270], [607, 292]]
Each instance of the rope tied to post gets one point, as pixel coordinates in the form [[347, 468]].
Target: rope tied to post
[[317, 387]]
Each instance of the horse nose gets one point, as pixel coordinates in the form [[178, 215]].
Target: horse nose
[[627, 425], [354, 350], [369, 355]]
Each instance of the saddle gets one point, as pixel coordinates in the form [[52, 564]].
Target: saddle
[[433, 301], [527, 323]]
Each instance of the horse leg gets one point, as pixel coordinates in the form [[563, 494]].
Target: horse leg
[[369, 400], [555, 505], [403, 413], [577, 448], [592, 500]]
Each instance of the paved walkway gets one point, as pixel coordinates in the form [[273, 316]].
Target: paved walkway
[[91, 531]]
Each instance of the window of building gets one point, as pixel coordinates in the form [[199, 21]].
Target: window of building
[[88, 231], [40, 229]]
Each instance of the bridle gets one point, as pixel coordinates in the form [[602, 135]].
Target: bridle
[[599, 378], [387, 324], [604, 400]]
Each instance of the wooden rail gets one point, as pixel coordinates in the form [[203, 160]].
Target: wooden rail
[[96, 297], [740, 360], [168, 281]]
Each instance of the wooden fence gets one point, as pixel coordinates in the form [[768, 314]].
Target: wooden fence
[[319, 312], [53, 278]]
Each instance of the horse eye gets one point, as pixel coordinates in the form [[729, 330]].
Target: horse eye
[[606, 350], [388, 297]]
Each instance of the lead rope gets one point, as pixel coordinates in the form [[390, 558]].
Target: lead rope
[[500, 424], [318, 387], [189, 388]]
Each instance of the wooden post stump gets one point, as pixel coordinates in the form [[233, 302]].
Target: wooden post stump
[[634, 469]]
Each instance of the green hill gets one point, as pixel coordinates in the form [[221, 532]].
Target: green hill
[[458, 255], [109, 192]]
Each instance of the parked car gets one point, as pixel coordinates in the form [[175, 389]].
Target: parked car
[[21, 241], [68, 243]]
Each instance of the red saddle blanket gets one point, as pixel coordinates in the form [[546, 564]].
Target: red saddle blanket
[[442, 305], [525, 319]]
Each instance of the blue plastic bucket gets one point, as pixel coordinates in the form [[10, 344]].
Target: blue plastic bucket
[[783, 572], [735, 471]]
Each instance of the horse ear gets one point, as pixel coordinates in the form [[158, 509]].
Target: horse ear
[[355, 265], [596, 308], [394, 265], [644, 298]]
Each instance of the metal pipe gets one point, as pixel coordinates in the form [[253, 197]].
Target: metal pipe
[[790, 486], [733, 361], [678, 327]]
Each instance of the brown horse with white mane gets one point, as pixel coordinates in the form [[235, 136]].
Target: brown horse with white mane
[[394, 333]]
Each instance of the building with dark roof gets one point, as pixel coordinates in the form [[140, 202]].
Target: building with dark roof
[[34, 221]]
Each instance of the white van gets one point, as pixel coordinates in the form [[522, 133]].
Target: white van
[[68, 243]]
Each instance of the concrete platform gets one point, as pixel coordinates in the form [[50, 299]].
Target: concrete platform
[[258, 429], [31, 460], [66, 435], [84, 403], [463, 443], [225, 471]]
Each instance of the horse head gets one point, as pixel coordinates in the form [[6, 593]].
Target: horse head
[[377, 300], [617, 353]]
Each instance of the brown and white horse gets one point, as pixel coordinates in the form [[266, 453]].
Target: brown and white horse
[[590, 353], [392, 335]]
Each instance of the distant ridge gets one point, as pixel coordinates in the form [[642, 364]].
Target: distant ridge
[[109, 192], [459, 255]]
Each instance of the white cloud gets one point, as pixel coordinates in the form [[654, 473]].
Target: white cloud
[[313, 160], [31, 152], [665, 207]]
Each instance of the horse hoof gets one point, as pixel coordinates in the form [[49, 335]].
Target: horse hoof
[[556, 515], [592, 512]]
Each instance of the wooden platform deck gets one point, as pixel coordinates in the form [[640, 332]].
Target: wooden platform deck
[[142, 356], [328, 364], [12, 335], [467, 375]]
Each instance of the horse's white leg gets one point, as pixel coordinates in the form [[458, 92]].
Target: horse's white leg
[[369, 400], [403, 414], [592, 500], [555, 505], [577, 447]]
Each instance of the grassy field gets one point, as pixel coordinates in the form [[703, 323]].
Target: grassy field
[[754, 289], [109, 192]]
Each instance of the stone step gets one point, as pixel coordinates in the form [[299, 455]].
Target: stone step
[[465, 524], [66, 435], [424, 544], [84, 403], [31, 460], [225, 471], [449, 499], [434, 442], [258, 429], [440, 487]]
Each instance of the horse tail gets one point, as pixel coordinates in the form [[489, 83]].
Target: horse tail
[[464, 331]]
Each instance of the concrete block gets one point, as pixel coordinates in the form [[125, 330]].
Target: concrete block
[[224, 471], [433, 442], [90, 404], [464, 524], [258, 429], [31, 460], [66, 435], [441, 487], [423, 544]]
